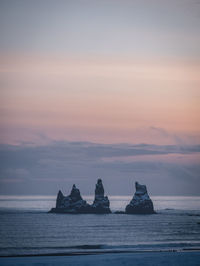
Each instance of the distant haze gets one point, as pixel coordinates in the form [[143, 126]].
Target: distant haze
[[106, 89]]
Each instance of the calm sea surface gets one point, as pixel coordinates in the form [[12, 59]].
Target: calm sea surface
[[27, 228]]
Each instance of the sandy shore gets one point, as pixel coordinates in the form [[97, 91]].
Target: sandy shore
[[125, 259]]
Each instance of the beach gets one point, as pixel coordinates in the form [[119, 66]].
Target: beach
[[125, 259]]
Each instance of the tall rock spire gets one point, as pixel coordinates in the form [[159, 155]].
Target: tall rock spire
[[101, 203], [141, 202]]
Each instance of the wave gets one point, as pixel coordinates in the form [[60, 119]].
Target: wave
[[6, 211], [23, 250]]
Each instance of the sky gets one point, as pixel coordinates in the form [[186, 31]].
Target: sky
[[93, 89]]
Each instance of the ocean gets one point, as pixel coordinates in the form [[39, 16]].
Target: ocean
[[26, 227]]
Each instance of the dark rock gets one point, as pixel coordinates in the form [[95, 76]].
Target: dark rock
[[101, 203], [119, 212], [72, 203], [59, 200], [141, 202]]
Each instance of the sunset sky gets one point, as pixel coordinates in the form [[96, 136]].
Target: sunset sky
[[105, 76]]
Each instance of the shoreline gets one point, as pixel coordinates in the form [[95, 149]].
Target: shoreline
[[101, 252], [189, 258]]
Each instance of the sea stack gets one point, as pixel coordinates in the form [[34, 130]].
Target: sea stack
[[71, 204], [141, 202], [101, 203]]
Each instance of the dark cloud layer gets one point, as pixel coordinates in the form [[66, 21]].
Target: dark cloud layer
[[28, 169]]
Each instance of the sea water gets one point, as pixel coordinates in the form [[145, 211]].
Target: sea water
[[26, 227]]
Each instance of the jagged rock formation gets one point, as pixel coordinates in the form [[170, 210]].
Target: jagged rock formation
[[141, 202], [75, 204], [72, 203], [101, 203]]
